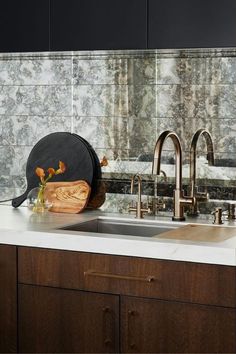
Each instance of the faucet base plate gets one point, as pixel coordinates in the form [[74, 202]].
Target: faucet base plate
[[193, 214], [182, 218]]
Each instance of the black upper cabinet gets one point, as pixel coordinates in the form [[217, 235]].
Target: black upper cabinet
[[43, 25], [98, 24], [24, 25], [191, 23]]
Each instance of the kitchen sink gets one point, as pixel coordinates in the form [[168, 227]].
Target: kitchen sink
[[121, 227]]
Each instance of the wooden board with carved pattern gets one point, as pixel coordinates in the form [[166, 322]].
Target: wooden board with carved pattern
[[68, 197]]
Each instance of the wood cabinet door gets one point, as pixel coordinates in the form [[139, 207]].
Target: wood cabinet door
[[67, 321], [24, 25], [191, 23], [98, 24], [8, 299], [153, 326]]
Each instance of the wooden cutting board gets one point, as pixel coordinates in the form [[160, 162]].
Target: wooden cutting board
[[67, 197], [200, 233]]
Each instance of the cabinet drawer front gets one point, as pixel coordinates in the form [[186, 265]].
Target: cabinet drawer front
[[175, 327], [170, 280], [55, 320]]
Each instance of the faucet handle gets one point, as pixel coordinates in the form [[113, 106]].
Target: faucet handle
[[201, 196], [231, 212], [139, 209], [217, 216], [156, 205]]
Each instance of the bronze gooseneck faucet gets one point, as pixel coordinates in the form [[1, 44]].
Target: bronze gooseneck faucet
[[179, 199], [199, 197]]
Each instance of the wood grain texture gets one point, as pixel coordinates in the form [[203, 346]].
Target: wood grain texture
[[180, 281], [152, 326], [8, 299], [66, 321], [200, 233], [68, 197]]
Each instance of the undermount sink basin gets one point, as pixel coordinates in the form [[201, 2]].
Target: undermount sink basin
[[121, 227]]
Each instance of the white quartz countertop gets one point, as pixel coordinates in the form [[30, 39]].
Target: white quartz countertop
[[22, 227]]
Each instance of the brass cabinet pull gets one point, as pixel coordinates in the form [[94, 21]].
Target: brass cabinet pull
[[107, 318], [131, 343], [148, 278]]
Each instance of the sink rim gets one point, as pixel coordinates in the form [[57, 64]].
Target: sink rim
[[108, 220]]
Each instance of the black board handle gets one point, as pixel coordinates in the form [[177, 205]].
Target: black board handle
[[16, 202]]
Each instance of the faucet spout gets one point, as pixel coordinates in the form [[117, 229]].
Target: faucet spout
[[179, 199], [156, 169], [139, 180], [193, 154], [193, 167], [139, 205]]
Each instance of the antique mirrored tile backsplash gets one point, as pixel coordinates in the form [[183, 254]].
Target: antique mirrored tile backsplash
[[120, 102]]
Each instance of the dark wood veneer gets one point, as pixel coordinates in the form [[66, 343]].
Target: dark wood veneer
[[171, 327], [67, 321], [181, 281], [8, 299]]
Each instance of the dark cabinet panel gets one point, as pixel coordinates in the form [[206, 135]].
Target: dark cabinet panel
[[186, 308], [24, 26], [8, 299], [66, 321], [152, 326], [192, 23], [103, 24], [172, 280]]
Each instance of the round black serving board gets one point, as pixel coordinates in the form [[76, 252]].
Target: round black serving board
[[51, 149], [97, 166]]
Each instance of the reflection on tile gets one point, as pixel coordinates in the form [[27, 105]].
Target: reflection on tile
[[117, 155], [228, 70], [99, 71], [26, 130], [142, 101], [142, 135], [120, 102], [189, 129], [224, 132], [193, 99], [7, 193], [6, 181], [169, 101], [101, 100], [214, 70], [13, 160], [33, 100], [169, 123], [19, 182], [103, 132], [192, 70], [221, 70], [7, 156], [36, 72], [221, 101], [151, 70]]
